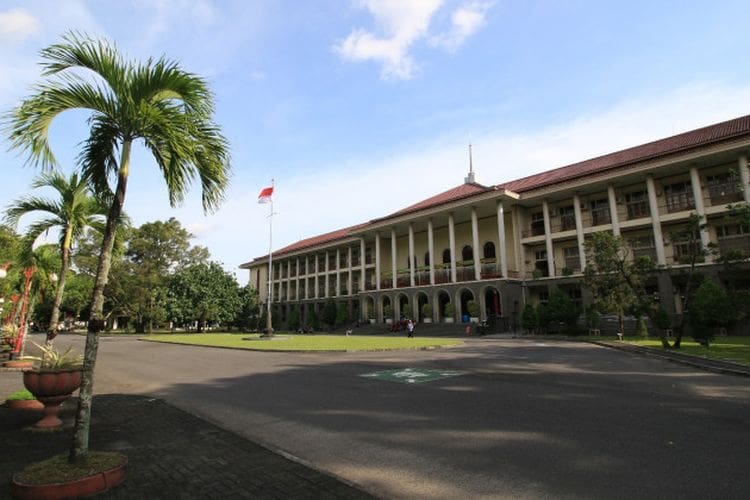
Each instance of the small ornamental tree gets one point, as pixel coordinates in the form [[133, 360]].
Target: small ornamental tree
[[472, 308], [711, 309], [529, 319]]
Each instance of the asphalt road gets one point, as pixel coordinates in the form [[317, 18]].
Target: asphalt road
[[525, 419]]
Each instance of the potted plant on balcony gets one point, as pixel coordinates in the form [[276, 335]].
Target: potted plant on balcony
[[388, 314], [472, 307], [427, 313], [449, 313], [52, 380]]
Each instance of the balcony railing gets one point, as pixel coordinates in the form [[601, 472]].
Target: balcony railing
[[638, 209], [736, 245], [443, 275], [724, 193], [536, 229]]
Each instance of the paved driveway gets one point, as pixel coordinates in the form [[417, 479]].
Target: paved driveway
[[526, 419]]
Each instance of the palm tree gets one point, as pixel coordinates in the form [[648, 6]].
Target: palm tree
[[73, 211], [157, 103]]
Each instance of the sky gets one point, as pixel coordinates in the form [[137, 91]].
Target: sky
[[357, 108]]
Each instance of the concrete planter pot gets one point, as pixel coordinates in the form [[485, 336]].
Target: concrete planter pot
[[52, 388], [97, 482], [388, 321], [448, 320], [24, 404], [427, 320]]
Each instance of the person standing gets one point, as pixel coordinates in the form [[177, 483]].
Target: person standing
[[410, 328]]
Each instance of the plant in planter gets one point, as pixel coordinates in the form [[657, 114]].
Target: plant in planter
[[23, 400], [427, 313], [388, 313], [472, 308], [371, 314], [406, 312], [52, 380], [449, 313]]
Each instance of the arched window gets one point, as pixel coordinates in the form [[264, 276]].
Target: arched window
[[467, 253], [427, 259], [489, 250], [447, 256]]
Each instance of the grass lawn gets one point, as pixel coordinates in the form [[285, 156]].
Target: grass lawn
[[294, 342], [735, 349]]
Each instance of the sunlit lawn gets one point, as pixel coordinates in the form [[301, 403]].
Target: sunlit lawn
[[293, 342], [736, 349]]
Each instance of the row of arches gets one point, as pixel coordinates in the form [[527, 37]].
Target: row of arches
[[488, 299], [467, 253]]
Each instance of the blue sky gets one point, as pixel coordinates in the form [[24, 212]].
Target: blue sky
[[360, 107]]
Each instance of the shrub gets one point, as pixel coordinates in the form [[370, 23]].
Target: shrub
[[473, 308], [406, 311], [427, 310], [529, 319], [449, 311], [294, 321], [388, 311], [711, 309]]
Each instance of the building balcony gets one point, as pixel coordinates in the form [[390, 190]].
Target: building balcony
[[725, 193], [735, 246], [536, 229], [679, 202]]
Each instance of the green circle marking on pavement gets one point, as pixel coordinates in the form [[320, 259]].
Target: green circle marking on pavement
[[412, 375]]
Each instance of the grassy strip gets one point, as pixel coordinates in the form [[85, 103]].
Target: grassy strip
[[292, 342], [734, 349], [58, 470]]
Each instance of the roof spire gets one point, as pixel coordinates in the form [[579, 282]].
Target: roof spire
[[469, 179]]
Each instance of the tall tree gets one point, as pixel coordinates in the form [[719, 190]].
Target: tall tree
[[157, 103], [204, 293], [73, 209]]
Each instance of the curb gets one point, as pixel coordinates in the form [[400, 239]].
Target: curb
[[710, 365]]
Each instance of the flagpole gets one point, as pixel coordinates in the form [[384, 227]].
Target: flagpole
[[269, 321]]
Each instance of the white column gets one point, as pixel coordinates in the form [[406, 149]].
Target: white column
[[475, 243], [695, 182], [377, 261], [394, 258], [308, 272], [362, 249], [411, 254], [613, 210], [431, 249], [744, 177], [317, 277], [520, 257], [502, 252], [296, 291], [548, 240], [349, 280], [338, 272], [653, 204], [327, 276], [452, 246], [579, 231]]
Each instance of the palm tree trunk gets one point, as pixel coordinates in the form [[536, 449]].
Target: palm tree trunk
[[80, 447], [55, 318]]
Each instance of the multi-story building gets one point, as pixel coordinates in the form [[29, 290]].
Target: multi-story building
[[506, 244]]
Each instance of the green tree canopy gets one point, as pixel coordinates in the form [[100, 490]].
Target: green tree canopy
[[204, 293]]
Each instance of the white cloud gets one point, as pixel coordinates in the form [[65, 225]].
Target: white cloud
[[465, 21], [16, 25], [402, 23]]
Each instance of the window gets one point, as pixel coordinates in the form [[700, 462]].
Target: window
[[572, 258], [637, 203], [447, 256], [643, 246], [537, 223], [724, 188], [489, 250], [427, 259], [679, 197], [567, 218], [600, 212], [467, 253]]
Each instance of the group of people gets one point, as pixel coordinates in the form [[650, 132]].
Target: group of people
[[406, 324]]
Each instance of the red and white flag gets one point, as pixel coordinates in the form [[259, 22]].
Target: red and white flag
[[265, 195]]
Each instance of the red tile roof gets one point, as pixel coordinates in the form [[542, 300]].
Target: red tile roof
[[339, 234], [675, 144], [457, 193]]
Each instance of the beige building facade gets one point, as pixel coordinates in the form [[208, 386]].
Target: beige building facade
[[506, 244]]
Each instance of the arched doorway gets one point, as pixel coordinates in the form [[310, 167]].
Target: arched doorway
[[465, 296], [369, 312], [403, 309], [492, 304], [386, 307], [422, 299], [443, 299]]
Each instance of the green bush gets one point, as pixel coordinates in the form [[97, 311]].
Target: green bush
[[427, 310], [710, 310], [449, 311], [388, 311], [407, 312], [529, 319], [473, 308]]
